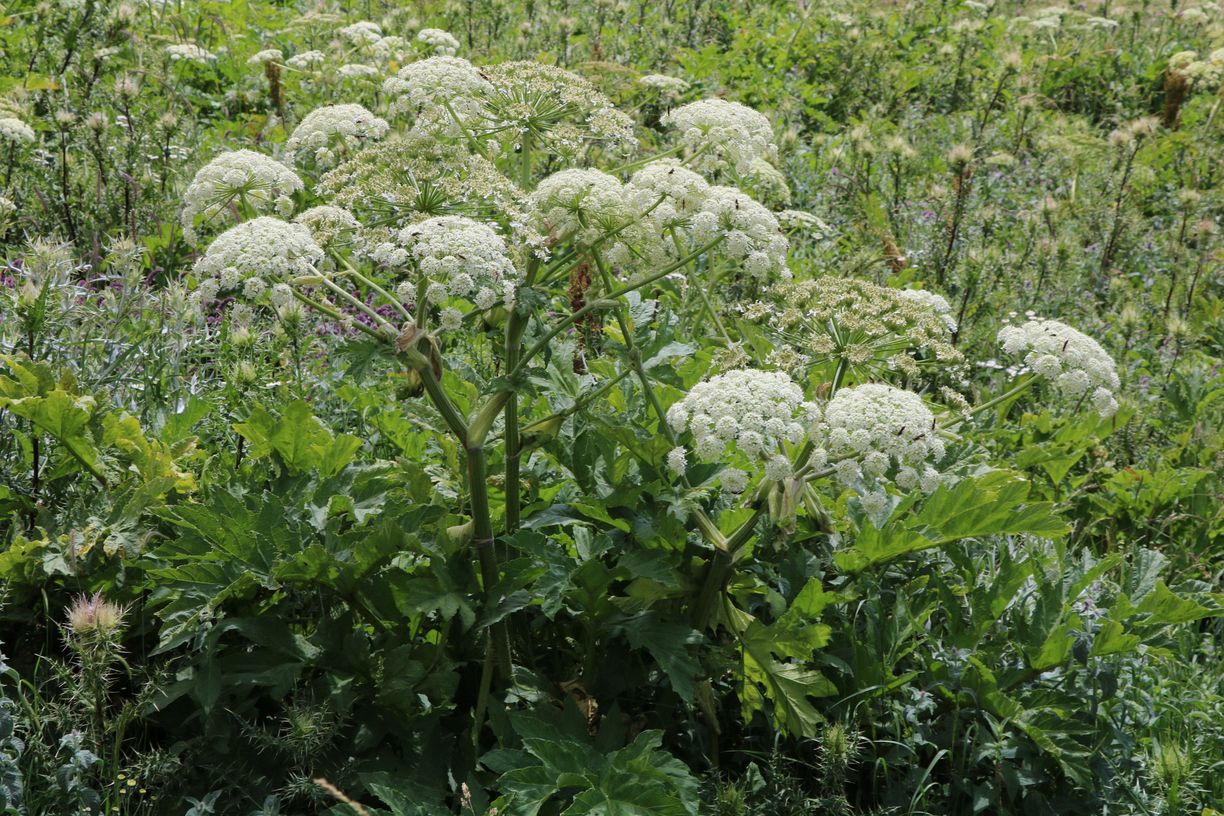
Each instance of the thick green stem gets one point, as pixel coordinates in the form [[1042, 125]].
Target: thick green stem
[[515, 326], [718, 572], [378, 319], [450, 414], [1018, 388], [483, 540], [720, 568]]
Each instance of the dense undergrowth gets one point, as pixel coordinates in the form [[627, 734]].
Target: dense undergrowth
[[611, 408]]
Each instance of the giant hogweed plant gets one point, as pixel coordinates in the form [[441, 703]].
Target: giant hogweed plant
[[500, 224], [783, 475]]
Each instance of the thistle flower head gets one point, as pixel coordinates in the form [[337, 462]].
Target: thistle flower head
[[750, 412], [726, 134], [1074, 362], [241, 180], [92, 616]]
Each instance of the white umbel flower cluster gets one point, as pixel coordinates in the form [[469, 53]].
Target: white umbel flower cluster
[[877, 432], [328, 133], [241, 178], [362, 32], [357, 70], [254, 256], [751, 232], [581, 204], [668, 192], [727, 134], [189, 52], [454, 257], [428, 87], [929, 300], [306, 60], [267, 55], [1203, 74], [556, 106], [438, 41], [330, 226], [667, 87], [750, 411], [1074, 362], [16, 131], [803, 222]]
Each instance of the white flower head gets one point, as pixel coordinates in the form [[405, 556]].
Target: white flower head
[[579, 203], [327, 134], [241, 179], [930, 300], [433, 88], [752, 412], [725, 134], [267, 55], [750, 232], [189, 52], [357, 70], [440, 42], [677, 461], [556, 107], [361, 33], [1074, 362], [455, 257], [667, 193], [330, 226], [255, 255], [16, 131], [306, 60], [880, 432], [667, 87]]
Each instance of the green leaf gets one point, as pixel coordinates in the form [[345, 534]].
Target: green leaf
[[1111, 639], [667, 642], [302, 443], [66, 418], [638, 780], [992, 504]]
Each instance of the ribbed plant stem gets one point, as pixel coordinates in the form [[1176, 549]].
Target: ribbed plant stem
[[482, 540]]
